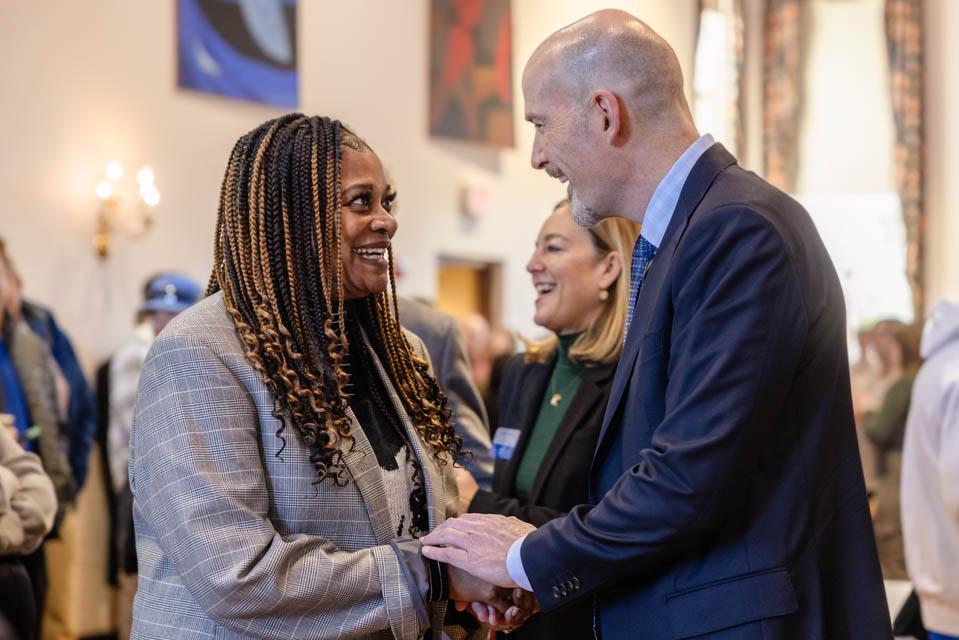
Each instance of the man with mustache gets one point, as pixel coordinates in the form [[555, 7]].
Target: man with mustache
[[726, 492]]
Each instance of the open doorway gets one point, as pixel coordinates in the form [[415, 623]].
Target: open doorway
[[468, 286]]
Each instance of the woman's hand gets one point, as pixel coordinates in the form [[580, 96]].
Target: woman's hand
[[525, 605], [501, 608], [467, 487]]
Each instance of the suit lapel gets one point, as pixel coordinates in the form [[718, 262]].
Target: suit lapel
[[590, 393], [713, 162], [432, 477], [366, 473], [534, 386]]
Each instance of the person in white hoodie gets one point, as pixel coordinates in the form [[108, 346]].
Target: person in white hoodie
[[930, 476]]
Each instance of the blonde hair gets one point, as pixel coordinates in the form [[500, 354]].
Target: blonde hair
[[602, 341]]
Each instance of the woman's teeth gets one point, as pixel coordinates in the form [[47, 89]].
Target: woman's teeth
[[373, 255], [544, 287]]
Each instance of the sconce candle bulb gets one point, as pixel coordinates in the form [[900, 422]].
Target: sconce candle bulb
[[114, 171], [150, 195], [117, 214], [104, 189], [145, 176]]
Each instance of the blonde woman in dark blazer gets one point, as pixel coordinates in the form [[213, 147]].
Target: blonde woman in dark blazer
[[290, 443], [553, 397]]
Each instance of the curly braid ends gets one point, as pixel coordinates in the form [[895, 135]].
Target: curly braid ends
[[277, 262], [422, 397]]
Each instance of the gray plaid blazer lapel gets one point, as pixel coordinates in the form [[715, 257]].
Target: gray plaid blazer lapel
[[435, 485], [366, 473]]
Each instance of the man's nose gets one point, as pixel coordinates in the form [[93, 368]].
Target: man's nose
[[537, 157]]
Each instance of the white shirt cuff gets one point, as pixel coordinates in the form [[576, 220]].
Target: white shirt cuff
[[514, 565]]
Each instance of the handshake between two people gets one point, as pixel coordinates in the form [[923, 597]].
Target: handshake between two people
[[474, 546]]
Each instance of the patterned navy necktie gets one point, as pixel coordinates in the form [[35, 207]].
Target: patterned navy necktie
[[643, 252]]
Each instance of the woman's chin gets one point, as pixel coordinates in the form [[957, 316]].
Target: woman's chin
[[544, 320], [357, 293]]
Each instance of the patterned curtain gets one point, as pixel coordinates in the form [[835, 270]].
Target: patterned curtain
[[782, 99], [717, 77], [904, 46]]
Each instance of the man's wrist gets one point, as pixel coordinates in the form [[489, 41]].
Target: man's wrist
[[514, 565]]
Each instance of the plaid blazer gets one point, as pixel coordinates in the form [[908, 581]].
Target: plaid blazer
[[236, 539]]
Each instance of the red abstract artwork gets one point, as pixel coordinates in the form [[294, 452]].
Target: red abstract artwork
[[471, 76]]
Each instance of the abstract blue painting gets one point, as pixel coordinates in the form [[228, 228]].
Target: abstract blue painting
[[244, 49]]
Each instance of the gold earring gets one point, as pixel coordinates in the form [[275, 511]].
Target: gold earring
[[603, 295]]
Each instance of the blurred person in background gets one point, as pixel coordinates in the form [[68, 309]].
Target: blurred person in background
[[870, 377], [488, 350], [28, 394], [930, 476], [164, 296], [553, 396], [502, 346], [885, 429], [28, 506], [476, 334], [867, 390], [77, 401], [444, 342]]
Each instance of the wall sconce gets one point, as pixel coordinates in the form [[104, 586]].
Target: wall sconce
[[133, 220]]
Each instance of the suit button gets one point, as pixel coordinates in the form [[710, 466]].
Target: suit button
[[562, 589], [575, 582], [556, 592], [569, 585]]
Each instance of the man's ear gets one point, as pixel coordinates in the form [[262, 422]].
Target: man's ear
[[608, 115]]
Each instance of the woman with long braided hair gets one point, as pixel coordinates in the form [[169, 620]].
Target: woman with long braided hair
[[290, 443]]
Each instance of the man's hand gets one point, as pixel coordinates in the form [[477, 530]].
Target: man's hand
[[477, 543], [467, 487]]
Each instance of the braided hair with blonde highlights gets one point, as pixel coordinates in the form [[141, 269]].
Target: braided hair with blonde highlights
[[277, 261]]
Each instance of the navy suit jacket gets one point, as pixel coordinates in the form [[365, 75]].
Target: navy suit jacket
[[727, 496]]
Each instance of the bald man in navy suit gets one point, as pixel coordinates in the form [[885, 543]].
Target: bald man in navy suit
[[726, 491]]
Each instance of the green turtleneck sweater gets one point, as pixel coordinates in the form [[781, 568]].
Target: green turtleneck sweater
[[565, 381]]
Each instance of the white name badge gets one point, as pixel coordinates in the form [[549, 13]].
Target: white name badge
[[504, 442]]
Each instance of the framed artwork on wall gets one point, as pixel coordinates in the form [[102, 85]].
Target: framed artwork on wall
[[243, 49], [471, 71]]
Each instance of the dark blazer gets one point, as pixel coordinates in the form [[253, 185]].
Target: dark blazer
[[726, 491], [444, 342], [561, 482]]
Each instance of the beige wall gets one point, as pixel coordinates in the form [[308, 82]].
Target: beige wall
[[87, 82]]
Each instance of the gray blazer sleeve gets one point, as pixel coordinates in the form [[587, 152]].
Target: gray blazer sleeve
[[201, 488], [469, 415]]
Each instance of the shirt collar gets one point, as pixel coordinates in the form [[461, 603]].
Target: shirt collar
[[660, 209]]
